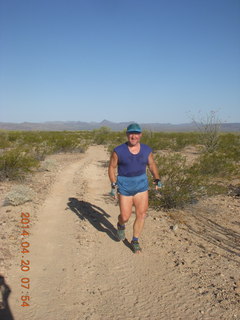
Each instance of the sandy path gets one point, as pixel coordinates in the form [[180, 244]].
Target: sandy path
[[80, 271]]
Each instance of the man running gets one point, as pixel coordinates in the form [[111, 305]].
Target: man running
[[131, 159]]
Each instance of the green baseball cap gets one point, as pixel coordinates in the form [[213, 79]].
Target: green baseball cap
[[134, 127]]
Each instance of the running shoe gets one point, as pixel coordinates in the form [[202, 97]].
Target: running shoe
[[121, 232], [135, 246]]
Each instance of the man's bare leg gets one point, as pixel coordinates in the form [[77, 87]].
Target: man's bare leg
[[125, 204], [140, 201]]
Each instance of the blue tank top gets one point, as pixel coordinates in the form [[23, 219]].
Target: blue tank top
[[132, 165]]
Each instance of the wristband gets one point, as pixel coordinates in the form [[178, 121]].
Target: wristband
[[113, 185]]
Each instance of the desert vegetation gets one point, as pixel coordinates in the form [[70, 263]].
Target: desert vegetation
[[21, 152], [213, 167], [210, 173]]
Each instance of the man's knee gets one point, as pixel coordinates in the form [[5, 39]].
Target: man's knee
[[141, 214], [123, 218]]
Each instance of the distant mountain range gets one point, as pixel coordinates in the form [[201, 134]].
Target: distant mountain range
[[115, 126]]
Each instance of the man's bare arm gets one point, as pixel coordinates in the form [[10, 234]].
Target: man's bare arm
[[112, 167], [153, 167]]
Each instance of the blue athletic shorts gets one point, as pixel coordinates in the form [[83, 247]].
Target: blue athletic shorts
[[129, 186]]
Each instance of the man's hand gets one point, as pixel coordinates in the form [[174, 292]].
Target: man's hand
[[158, 184], [113, 191]]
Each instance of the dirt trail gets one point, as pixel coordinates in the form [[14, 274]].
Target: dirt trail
[[80, 271]]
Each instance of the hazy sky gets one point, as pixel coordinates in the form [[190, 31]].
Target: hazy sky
[[121, 60]]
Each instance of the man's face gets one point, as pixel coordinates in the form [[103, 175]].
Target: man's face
[[134, 138]]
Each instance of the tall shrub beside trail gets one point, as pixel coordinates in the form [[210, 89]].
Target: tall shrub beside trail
[[181, 184], [14, 164], [184, 184], [215, 164]]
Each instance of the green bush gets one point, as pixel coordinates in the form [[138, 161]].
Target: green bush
[[229, 144], [62, 143], [4, 141], [14, 164], [215, 164], [102, 135], [185, 184], [14, 136], [181, 140], [170, 141], [40, 151], [47, 142], [157, 140], [106, 136], [26, 149], [181, 184]]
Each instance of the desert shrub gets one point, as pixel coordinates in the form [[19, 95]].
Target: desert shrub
[[106, 136], [19, 195], [15, 163], [57, 142], [181, 184], [185, 184], [229, 144], [24, 150], [179, 143], [63, 144], [31, 137], [209, 129], [183, 139], [46, 142], [40, 151], [102, 135], [215, 164], [14, 136], [4, 142], [214, 188], [157, 140], [171, 141], [210, 141]]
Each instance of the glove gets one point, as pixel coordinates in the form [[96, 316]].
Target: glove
[[113, 191], [158, 183]]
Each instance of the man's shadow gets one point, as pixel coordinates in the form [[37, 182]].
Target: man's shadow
[[95, 215], [5, 312]]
